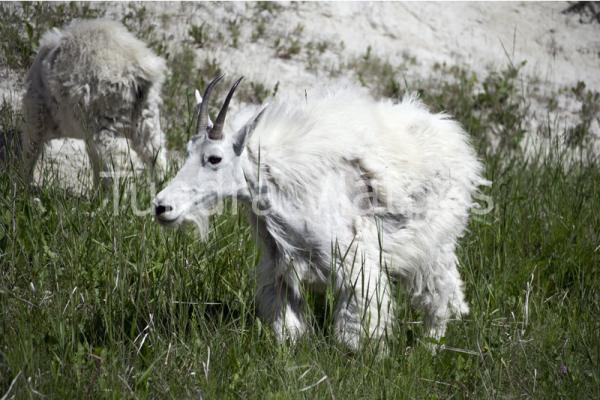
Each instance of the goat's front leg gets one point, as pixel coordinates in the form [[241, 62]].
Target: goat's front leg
[[98, 150], [149, 141], [279, 301], [38, 123]]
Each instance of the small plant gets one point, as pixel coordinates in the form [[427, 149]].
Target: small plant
[[256, 92], [199, 35], [494, 110], [409, 58], [262, 13], [260, 29], [233, 26], [269, 7], [376, 74], [504, 106], [260, 92], [314, 51], [290, 45], [580, 134], [589, 11], [138, 21], [210, 69]]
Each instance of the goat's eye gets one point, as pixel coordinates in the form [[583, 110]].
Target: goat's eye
[[214, 160]]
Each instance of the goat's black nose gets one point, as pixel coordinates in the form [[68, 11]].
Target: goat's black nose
[[162, 209]]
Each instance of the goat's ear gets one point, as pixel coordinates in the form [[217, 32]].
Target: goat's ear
[[242, 136], [198, 102], [140, 92], [142, 88]]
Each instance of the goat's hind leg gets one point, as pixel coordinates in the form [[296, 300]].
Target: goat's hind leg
[[36, 130], [365, 307], [279, 302], [442, 297]]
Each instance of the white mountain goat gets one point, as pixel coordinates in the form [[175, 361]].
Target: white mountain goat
[[94, 80], [345, 191]]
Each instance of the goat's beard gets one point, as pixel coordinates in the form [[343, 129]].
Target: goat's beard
[[200, 220]]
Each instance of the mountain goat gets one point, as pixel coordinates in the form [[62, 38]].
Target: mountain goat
[[93, 80], [342, 191]]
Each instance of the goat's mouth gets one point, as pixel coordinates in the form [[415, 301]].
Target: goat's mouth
[[194, 211], [168, 221]]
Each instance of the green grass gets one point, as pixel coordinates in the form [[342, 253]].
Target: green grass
[[95, 304], [98, 304]]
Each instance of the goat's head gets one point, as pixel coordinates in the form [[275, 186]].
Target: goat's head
[[212, 170]]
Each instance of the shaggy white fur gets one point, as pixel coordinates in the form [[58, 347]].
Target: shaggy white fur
[[343, 191], [92, 80]]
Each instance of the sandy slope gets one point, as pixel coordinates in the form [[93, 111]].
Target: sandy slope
[[560, 51]]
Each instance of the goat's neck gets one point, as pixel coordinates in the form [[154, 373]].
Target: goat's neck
[[267, 210], [255, 190]]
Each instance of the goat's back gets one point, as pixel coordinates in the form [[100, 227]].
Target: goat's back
[[418, 165], [100, 50], [401, 145]]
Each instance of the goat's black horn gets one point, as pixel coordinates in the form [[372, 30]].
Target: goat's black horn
[[216, 132], [203, 112]]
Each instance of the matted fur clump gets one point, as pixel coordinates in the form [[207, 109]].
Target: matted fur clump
[[93, 80], [344, 191]]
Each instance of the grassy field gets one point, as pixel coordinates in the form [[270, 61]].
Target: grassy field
[[98, 303]]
